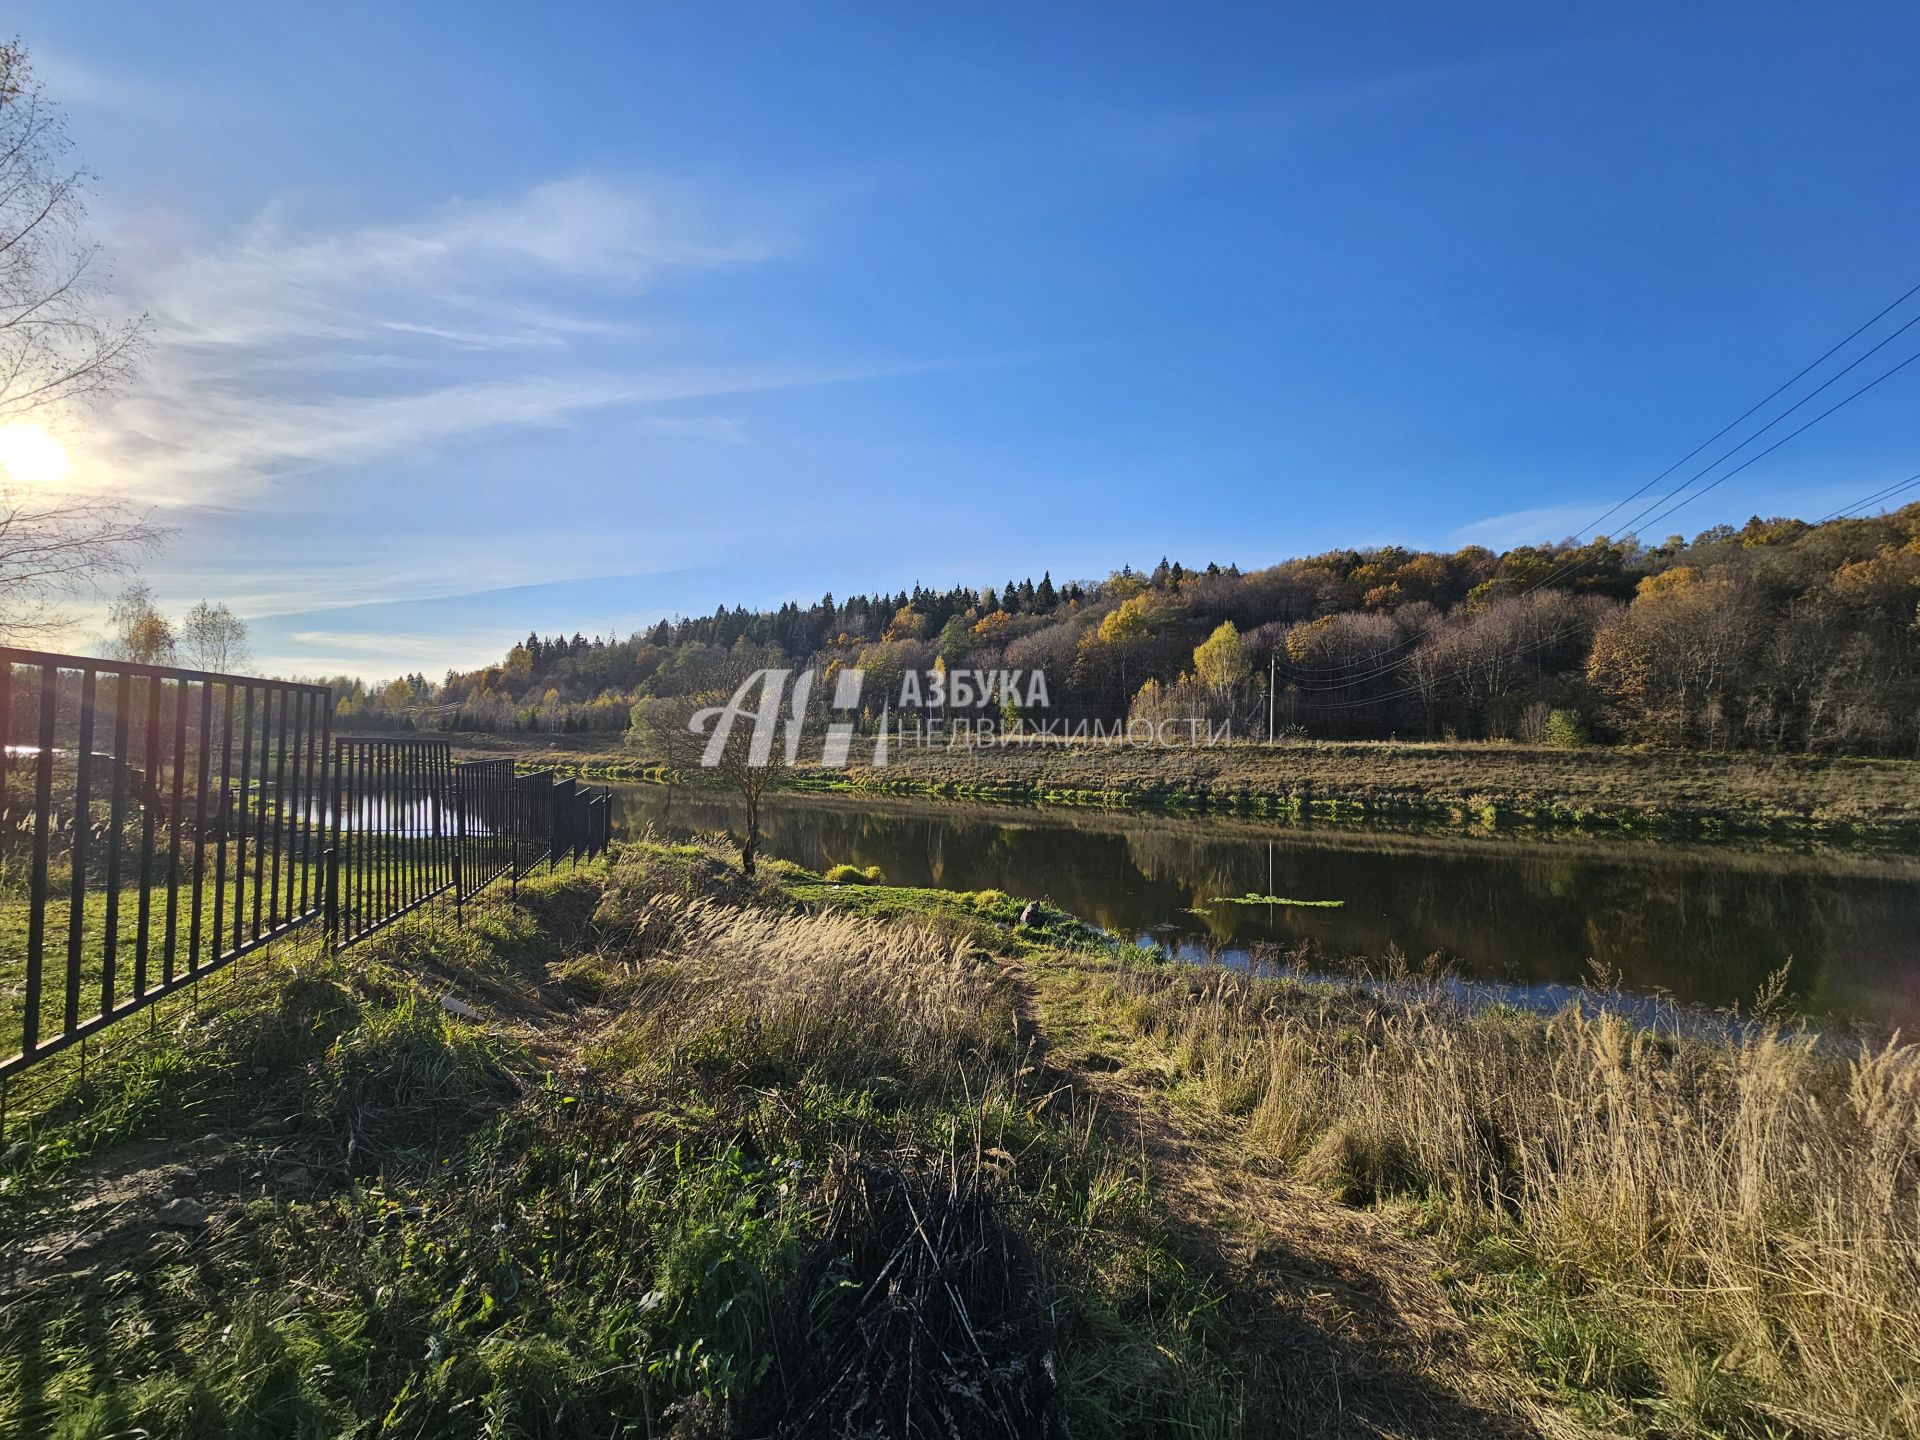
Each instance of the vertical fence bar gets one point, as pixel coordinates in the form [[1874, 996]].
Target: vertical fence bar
[[299, 838], [344, 792], [359, 837], [408, 760], [224, 814], [82, 822], [431, 789], [409, 826], [423, 882], [298, 891], [343, 831], [366, 867], [323, 708], [150, 767], [277, 906], [363, 868], [37, 883], [367, 876], [382, 785], [395, 760], [429, 832], [272, 820], [116, 816], [300, 841], [201, 776], [330, 893], [403, 760], [330, 881], [399, 761], [244, 802], [296, 803], [257, 807], [440, 769]]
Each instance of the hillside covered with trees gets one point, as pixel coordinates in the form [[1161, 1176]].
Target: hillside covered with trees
[[1776, 635]]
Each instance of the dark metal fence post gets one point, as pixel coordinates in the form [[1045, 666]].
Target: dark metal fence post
[[330, 863], [264, 845]]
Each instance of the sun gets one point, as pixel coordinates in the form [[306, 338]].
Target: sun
[[30, 456]]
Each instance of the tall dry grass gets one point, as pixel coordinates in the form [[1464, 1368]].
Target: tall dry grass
[[1747, 1210], [882, 1040], [834, 997]]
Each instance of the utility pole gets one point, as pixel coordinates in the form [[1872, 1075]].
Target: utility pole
[[1273, 661]]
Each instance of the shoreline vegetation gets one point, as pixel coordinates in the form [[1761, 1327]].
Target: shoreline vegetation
[[1475, 785], [660, 1149], [1778, 638]]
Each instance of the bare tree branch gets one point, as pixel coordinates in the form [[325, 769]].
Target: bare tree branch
[[58, 546], [54, 345], [55, 545]]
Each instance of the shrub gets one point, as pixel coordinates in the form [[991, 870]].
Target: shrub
[[854, 875], [1566, 730]]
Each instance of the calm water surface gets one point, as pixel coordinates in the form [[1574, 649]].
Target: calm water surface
[[1703, 924]]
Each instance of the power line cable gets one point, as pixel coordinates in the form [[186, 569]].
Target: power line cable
[[1759, 405], [1565, 570], [1879, 497], [1884, 375], [1778, 390]]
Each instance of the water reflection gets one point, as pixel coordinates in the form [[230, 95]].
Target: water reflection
[[1704, 924]]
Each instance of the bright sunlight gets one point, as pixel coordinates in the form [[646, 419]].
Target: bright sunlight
[[31, 456]]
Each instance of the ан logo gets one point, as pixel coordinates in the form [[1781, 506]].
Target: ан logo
[[764, 698]]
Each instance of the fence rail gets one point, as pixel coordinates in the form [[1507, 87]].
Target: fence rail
[[157, 824]]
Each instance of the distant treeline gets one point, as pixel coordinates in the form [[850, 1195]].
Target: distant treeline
[[1778, 635]]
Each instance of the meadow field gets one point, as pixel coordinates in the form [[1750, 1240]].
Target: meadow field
[[660, 1149], [1474, 783]]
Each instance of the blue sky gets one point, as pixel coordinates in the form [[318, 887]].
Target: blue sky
[[470, 319]]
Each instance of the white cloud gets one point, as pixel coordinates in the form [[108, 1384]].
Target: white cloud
[[91, 88], [281, 279], [292, 345], [1543, 525]]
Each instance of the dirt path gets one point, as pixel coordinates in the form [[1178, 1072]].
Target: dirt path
[[1354, 1334]]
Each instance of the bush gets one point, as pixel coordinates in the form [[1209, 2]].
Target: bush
[[1566, 730], [854, 875]]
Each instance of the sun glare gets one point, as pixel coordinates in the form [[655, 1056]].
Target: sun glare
[[30, 456]]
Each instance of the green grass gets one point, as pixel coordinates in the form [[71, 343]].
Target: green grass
[[1483, 786], [707, 1123], [1252, 899], [507, 1229]]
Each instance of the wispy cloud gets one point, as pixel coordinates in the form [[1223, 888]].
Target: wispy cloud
[[91, 88], [1531, 527], [280, 279], [292, 345], [230, 441], [376, 657]]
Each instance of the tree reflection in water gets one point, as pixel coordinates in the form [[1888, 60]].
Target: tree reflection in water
[[1704, 923]]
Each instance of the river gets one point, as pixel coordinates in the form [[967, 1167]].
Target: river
[[1704, 924]]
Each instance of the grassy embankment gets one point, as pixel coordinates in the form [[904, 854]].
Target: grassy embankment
[[721, 1157], [1597, 788]]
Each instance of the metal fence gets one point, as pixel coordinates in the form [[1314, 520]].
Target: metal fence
[[157, 824]]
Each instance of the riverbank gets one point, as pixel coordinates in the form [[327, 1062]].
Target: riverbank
[[661, 1149], [1480, 785], [1829, 798]]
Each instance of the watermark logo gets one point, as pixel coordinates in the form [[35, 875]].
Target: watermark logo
[[939, 708]]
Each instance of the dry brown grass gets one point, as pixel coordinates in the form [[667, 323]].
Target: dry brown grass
[[760, 993], [1596, 786], [1738, 1223]]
